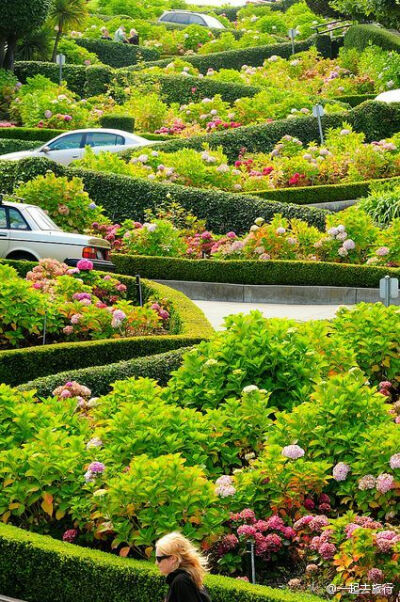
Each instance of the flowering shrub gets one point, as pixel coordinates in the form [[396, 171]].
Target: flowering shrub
[[58, 303], [8, 83], [63, 199], [75, 54]]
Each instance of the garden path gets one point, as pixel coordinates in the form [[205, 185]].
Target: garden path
[[215, 311]]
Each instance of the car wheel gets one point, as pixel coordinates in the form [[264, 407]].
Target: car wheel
[[22, 255]]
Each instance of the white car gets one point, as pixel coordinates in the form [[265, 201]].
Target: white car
[[27, 232], [389, 96], [186, 17], [71, 145]]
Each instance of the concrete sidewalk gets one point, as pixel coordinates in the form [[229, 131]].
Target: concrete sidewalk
[[216, 311]]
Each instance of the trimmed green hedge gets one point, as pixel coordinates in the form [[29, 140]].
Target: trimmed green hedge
[[178, 88], [100, 378], [188, 327], [362, 36], [307, 195], [237, 34], [10, 145], [235, 59], [84, 81], [295, 273], [33, 134], [353, 99], [117, 121], [117, 54], [37, 567], [124, 197]]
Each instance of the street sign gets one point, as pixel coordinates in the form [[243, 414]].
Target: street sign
[[60, 59], [292, 33], [388, 289], [318, 112]]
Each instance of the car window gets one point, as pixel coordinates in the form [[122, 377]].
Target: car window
[[17, 222], [182, 18], [66, 142], [170, 17], [3, 219], [42, 219], [103, 139], [213, 22], [196, 20]]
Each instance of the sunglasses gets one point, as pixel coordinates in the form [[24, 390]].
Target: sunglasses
[[160, 558]]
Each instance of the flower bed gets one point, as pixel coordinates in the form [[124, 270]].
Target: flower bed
[[343, 158], [283, 492], [187, 326]]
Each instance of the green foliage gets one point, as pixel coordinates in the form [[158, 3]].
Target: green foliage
[[374, 333], [383, 202], [116, 54], [252, 351], [10, 145], [63, 199], [75, 54]]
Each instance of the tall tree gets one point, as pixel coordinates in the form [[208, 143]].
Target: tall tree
[[65, 15], [18, 18]]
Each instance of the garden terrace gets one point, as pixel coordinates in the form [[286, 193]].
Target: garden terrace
[[295, 273], [188, 326], [39, 567], [124, 197]]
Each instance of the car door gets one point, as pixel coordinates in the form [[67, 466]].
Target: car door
[[4, 232], [66, 148], [105, 141]]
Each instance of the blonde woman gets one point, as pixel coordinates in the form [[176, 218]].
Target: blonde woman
[[184, 568]]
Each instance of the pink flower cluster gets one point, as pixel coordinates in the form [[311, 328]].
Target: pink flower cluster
[[323, 545], [224, 486], [293, 452], [385, 541]]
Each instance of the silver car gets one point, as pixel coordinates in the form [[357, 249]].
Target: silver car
[[27, 232], [186, 17], [71, 145]]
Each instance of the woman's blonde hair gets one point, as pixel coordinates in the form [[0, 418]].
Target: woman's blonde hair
[[189, 558]]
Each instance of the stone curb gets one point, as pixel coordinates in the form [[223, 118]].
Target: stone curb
[[286, 294]]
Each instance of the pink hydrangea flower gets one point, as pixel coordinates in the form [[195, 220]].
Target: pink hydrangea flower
[[327, 551], [304, 521], [367, 482], [85, 265], [318, 522], [70, 535], [382, 251], [224, 486], [247, 531], [248, 515], [275, 522], [293, 451], [375, 576], [96, 467], [395, 461], [340, 471], [384, 482]]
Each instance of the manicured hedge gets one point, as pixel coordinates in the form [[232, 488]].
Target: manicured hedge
[[296, 273], [124, 197], [84, 81], [353, 99], [362, 36], [37, 567], [100, 378], [32, 134], [117, 121], [13, 145], [179, 88], [188, 327], [377, 119], [117, 54], [235, 59], [307, 195]]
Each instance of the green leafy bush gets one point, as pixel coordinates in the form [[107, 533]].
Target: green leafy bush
[[64, 199], [383, 202], [361, 36], [116, 54], [75, 54], [118, 121]]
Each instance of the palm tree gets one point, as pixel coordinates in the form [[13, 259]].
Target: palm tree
[[66, 14]]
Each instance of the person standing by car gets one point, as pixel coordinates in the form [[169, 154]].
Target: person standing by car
[[184, 568], [133, 37], [120, 35]]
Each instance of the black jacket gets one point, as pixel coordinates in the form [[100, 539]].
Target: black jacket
[[183, 589]]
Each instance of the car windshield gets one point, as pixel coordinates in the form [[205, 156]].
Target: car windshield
[[42, 219]]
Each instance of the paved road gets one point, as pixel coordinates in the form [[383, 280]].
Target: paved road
[[215, 311]]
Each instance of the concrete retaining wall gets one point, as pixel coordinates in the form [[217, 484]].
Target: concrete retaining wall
[[296, 295]]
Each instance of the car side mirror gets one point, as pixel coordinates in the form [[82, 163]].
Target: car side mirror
[[46, 149]]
